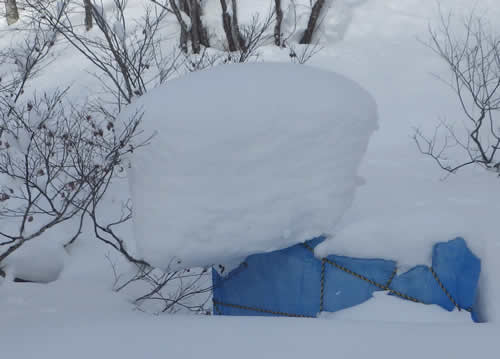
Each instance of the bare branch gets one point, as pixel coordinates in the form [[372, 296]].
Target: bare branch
[[475, 78]]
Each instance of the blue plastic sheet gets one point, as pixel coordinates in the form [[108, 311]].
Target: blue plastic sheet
[[288, 281]]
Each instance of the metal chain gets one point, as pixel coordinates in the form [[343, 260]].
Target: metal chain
[[322, 290]]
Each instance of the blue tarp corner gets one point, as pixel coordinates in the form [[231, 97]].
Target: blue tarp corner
[[454, 282]]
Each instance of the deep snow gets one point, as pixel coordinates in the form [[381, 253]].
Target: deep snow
[[408, 203], [80, 330], [245, 159], [405, 198]]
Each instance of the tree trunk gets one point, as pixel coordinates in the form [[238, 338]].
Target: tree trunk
[[88, 14], [184, 29], [197, 33], [279, 20], [195, 26], [201, 32], [204, 39], [228, 29], [313, 19], [11, 11], [235, 27]]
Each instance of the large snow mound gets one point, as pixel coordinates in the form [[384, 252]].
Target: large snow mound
[[245, 159]]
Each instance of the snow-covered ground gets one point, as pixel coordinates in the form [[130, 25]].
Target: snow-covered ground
[[111, 332], [404, 207], [408, 203], [135, 335]]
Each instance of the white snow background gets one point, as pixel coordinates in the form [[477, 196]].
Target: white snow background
[[405, 206]]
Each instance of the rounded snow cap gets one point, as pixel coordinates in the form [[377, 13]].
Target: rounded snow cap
[[245, 159]]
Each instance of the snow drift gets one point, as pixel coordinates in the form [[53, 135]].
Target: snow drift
[[246, 159]]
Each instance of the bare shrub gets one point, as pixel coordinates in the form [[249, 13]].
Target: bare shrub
[[129, 58], [58, 161], [473, 59]]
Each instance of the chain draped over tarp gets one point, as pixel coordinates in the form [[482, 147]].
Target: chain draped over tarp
[[293, 282]]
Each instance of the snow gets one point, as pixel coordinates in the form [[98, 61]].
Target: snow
[[44, 258], [38, 262], [187, 20], [388, 308], [90, 322], [119, 30], [408, 204], [246, 159], [404, 207]]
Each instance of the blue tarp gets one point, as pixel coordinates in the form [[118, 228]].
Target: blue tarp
[[294, 282]]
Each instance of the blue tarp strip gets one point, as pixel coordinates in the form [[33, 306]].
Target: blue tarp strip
[[289, 281]]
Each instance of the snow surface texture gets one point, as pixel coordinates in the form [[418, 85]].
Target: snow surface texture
[[38, 261], [246, 159], [90, 322], [388, 308]]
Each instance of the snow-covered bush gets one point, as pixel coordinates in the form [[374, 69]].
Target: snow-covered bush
[[57, 157], [56, 163]]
